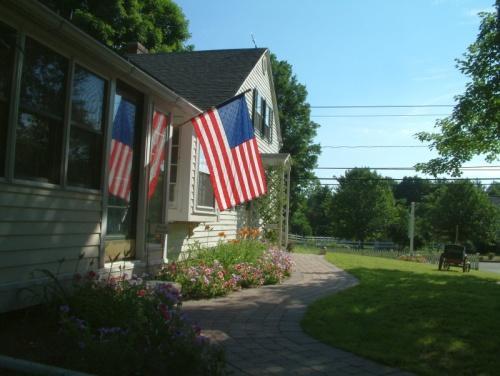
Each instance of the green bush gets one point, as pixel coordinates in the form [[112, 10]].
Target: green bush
[[127, 327]]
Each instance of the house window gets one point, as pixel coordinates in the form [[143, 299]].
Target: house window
[[262, 116], [259, 111], [157, 168], [41, 114], [205, 193], [174, 160], [123, 171], [86, 134], [268, 124], [7, 47]]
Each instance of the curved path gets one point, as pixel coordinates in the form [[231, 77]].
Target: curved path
[[260, 328]]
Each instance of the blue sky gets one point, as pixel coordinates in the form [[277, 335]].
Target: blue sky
[[356, 52]]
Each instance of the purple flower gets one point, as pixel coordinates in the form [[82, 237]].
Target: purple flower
[[64, 308]]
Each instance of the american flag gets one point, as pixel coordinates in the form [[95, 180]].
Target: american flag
[[122, 151], [230, 148], [159, 134]]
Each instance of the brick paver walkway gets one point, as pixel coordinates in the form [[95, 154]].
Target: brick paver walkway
[[260, 330]]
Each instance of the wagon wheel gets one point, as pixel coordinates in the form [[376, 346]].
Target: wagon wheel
[[446, 266], [466, 267]]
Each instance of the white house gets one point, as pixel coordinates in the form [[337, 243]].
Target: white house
[[61, 97], [206, 79]]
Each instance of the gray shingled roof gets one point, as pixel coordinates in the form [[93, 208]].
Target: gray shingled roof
[[205, 78]]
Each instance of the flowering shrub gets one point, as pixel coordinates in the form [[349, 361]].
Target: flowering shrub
[[203, 276], [129, 327], [275, 265], [202, 280]]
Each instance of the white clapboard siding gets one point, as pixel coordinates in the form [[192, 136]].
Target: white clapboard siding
[[42, 228], [259, 78]]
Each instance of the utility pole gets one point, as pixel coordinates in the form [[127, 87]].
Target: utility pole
[[411, 229]]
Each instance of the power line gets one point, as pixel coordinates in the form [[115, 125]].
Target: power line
[[388, 106], [399, 179], [337, 185], [371, 146], [478, 168], [377, 115]]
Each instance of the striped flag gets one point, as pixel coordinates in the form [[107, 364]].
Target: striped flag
[[122, 151], [159, 134], [230, 148]]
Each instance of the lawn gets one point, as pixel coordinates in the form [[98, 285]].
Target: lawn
[[411, 316], [297, 248]]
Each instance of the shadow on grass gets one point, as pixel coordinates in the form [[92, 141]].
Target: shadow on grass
[[429, 322]]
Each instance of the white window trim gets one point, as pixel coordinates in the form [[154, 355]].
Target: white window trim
[[199, 209]]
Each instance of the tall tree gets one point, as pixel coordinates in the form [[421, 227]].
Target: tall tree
[[160, 25], [412, 189], [462, 209], [363, 206], [298, 132], [319, 207], [474, 126]]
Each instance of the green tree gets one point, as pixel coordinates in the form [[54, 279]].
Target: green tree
[[474, 126], [363, 206], [298, 132], [462, 208], [319, 206], [494, 189], [412, 189], [160, 25]]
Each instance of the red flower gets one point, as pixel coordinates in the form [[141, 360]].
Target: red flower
[[141, 293], [164, 312], [91, 274]]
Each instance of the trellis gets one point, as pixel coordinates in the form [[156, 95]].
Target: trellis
[[271, 211]]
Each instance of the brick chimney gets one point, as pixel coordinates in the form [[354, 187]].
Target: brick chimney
[[136, 48]]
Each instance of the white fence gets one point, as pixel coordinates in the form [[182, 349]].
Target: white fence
[[375, 249]]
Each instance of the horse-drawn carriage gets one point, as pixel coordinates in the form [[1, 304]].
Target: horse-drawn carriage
[[454, 255]]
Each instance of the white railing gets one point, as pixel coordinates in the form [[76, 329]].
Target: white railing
[[375, 249]]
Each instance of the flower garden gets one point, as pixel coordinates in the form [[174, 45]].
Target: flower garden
[[243, 263], [116, 325]]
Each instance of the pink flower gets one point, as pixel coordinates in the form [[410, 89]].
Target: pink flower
[[141, 293]]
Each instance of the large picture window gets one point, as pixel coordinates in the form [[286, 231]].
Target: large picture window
[[205, 192], [41, 114], [87, 123], [7, 49], [123, 162]]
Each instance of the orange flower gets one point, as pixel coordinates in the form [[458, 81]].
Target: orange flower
[[221, 234]]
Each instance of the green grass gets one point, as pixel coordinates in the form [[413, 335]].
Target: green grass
[[411, 316], [227, 253], [307, 249]]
